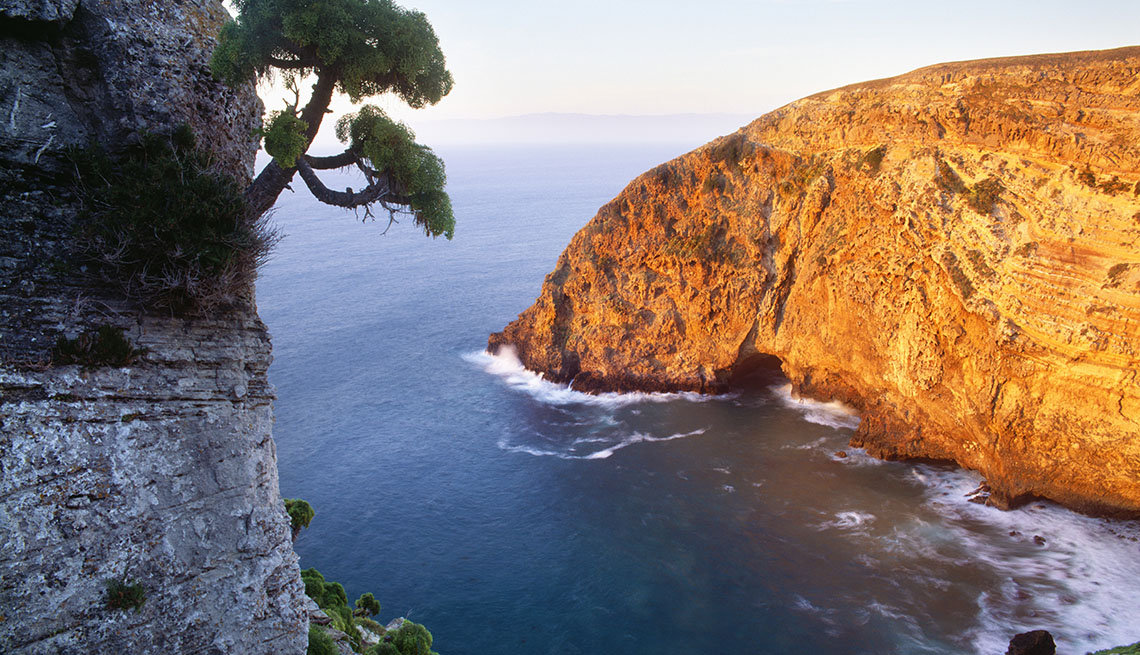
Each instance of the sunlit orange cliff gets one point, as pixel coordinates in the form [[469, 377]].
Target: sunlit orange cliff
[[954, 251]]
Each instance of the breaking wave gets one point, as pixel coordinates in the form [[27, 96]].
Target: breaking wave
[[1078, 577], [832, 414], [506, 365], [571, 452]]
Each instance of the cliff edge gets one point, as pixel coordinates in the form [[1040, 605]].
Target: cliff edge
[[139, 504], [954, 251]]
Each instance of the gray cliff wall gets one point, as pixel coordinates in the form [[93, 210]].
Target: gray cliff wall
[[163, 472]]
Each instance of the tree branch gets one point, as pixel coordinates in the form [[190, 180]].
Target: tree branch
[[378, 191], [346, 158], [263, 191]]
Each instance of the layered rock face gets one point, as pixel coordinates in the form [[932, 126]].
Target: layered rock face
[[158, 472], [954, 251]]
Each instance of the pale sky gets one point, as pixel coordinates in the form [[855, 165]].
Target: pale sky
[[730, 56], [742, 57]]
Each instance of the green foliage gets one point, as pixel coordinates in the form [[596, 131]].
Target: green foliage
[[370, 624], [284, 136], [124, 595], [361, 48], [326, 594], [331, 598], [412, 639], [374, 45], [106, 346], [367, 605], [983, 196], [414, 169], [300, 513], [320, 643], [164, 226], [409, 639]]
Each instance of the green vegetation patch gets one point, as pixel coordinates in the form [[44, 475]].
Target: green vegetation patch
[[105, 346], [300, 514], [320, 643], [409, 639], [124, 595], [983, 196], [330, 597], [165, 227]]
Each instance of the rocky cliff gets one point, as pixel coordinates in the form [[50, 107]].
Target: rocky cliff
[[159, 471], [954, 251]]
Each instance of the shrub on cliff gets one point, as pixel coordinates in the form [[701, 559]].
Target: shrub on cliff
[[124, 595], [105, 346], [361, 48], [409, 639], [300, 514], [165, 226], [320, 643], [330, 597]]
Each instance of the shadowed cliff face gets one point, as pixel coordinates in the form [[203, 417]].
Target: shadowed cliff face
[[955, 252], [159, 471]]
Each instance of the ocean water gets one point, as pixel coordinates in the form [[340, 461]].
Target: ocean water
[[512, 515]]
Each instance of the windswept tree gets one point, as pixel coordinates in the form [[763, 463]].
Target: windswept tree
[[362, 49]]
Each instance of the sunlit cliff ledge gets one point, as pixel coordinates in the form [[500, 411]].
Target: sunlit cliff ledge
[[954, 251]]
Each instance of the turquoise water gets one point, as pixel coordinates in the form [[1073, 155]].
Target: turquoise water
[[511, 515]]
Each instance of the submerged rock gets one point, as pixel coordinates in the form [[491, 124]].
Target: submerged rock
[[955, 252], [1037, 642]]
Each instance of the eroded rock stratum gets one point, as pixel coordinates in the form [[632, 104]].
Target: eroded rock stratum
[[954, 251]]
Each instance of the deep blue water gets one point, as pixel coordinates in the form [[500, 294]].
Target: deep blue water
[[513, 516]]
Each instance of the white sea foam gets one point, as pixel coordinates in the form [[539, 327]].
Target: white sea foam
[[506, 365], [1082, 584], [851, 519], [635, 438], [832, 414]]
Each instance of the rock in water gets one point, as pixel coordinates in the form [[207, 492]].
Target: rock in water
[[1037, 642], [954, 251]]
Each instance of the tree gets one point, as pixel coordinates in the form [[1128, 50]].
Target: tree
[[361, 48], [300, 514], [367, 605]]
